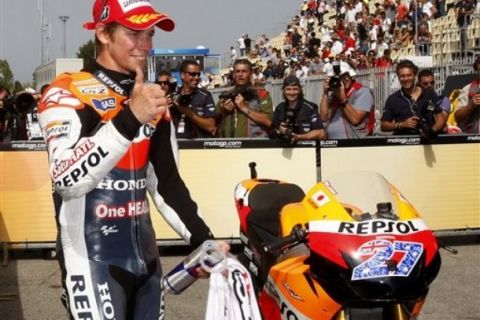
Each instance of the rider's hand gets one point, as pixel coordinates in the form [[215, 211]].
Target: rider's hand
[[148, 101], [224, 248]]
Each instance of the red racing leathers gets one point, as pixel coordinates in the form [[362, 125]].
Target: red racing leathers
[[102, 163]]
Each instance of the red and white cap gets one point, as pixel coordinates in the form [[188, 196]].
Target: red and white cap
[[133, 14]]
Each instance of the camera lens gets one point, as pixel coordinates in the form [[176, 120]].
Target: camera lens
[[334, 83]]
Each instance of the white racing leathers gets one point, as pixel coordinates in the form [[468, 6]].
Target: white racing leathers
[[102, 162]]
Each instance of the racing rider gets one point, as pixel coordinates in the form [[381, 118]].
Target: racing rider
[[109, 140]]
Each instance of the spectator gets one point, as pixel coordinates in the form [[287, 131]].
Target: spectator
[[411, 110], [463, 11], [167, 83], [248, 112], [426, 80], [424, 39], [287, 43], [441, 8], [402, 13], [241, 45], [296, 118], [337, 46], [194, 112], [233, 55], [248, 44], [346, 108], [316, 65], [384, 61], [467, 114], [104, 156], [269, 71], [296, 39], [280, 69], [258, 79]]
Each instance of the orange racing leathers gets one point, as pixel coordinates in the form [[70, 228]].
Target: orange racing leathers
[[102, 163]]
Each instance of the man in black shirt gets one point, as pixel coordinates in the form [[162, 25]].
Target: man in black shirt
[[194, 111], [411, 110]]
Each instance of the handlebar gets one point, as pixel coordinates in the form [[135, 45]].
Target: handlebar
[[298, 235]]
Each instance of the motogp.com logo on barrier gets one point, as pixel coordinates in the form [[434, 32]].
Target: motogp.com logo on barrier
[[222, 144], [40, 146]]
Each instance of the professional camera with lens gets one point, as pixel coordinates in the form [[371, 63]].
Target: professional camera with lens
[[424, 126], [184, 99], [21, 103], [287, 136], [248, 93], [334, 82]]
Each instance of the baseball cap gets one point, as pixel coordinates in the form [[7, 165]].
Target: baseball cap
[[133, 14], [344, 68], [291, 81]]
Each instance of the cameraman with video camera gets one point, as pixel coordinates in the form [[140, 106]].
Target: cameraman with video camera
[[347, 107], [18, 116], [244, 111], [296, 118], [412, 110], [194, 109]]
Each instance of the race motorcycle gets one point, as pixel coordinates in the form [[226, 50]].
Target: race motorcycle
[[351, 248]]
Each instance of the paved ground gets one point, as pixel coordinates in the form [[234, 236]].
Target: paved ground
[[34, 287]]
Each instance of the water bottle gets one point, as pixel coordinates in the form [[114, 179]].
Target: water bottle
[[185, 273]]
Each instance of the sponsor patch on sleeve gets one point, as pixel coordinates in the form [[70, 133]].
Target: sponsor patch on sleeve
[[60, 97], [57, 130], [104, 104]]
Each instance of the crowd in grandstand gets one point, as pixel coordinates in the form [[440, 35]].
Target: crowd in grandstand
[[363, 33]]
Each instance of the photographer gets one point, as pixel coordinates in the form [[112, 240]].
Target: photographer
[[296, 118], [412, 110], [194, 109], [467, 114], [347, 107], [245, 111], [18, 117]]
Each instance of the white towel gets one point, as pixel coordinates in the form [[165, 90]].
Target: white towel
[[231, 295]]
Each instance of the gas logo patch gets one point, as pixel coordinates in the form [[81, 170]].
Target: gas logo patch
[[104, 104]]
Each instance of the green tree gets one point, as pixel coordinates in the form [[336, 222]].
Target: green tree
[[6, 75], [17, 87], [87, 53]]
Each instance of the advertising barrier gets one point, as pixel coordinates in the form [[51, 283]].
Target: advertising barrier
[[442, 179]]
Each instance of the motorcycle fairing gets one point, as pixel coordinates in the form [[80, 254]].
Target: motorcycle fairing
[[290, 285]]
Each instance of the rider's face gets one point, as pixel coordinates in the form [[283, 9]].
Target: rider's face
[[127, 49]]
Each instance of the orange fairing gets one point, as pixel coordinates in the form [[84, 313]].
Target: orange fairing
[[298, 293]]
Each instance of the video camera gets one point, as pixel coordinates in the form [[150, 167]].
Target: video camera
[[248, 93], [21, 103]]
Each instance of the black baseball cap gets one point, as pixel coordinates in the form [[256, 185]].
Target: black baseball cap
[[291, 81]]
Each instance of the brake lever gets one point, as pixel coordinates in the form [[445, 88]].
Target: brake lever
[[296, 236]]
